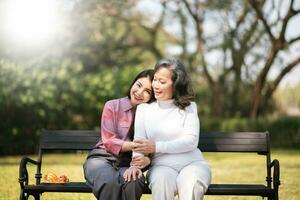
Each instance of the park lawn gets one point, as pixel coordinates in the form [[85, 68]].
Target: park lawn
[[226, 168]]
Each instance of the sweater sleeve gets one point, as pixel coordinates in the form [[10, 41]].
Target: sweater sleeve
[[109, 134], [190, 135], [139, 126]]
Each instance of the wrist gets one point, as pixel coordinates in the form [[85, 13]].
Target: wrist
[[153, 147], [149, 160], [131, 145]]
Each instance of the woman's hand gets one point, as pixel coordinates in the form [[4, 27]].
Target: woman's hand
[[140, 161], [143, 146], [132, 173]]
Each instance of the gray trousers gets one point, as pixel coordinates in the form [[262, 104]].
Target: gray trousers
[[106, 179]]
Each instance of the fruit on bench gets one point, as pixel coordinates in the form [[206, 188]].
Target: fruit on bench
[[52, 178], [63, 179]]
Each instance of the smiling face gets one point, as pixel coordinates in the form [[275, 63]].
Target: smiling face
[[162, 84], [140, 91]]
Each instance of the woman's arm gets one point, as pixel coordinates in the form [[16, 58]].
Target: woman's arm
[[109, 135], [139, 127]]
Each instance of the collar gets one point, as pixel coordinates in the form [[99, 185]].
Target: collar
[[166, 103], [126, 104]]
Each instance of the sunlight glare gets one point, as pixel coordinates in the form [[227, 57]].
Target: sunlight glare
[[30, 21]]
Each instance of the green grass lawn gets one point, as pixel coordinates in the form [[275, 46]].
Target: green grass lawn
[[226, 168]]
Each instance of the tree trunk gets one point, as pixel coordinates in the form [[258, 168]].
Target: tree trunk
[[217, 103], [260, 82]]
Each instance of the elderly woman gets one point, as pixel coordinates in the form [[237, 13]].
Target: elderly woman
[[169, 130]]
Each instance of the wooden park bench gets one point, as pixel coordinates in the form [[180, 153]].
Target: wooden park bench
[[243, 142]]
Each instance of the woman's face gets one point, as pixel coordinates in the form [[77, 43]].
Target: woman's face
[[141, 91], [162, 84]]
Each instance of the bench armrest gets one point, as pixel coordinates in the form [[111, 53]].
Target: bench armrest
[[276, 173], [23, 173]]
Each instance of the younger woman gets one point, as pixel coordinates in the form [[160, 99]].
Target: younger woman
[[109, 159]]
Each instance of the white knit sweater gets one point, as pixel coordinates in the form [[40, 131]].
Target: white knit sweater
[[174, 131]]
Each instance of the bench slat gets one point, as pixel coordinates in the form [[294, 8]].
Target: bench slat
[[213, 189], [234, 142], [233, 148], [60, 187], [68, 140], [239, 189], [231, 141], [248, 135], [69, 146]]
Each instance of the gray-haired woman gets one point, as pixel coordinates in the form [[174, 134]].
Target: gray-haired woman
[[169, 129]]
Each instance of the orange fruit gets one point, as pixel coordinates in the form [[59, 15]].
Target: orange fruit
[[50, 178], [63, 179]]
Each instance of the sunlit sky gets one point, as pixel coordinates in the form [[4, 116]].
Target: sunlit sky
[[32, 23], [29, 24], [30, 20]]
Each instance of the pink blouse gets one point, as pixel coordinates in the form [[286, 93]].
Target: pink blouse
[[115, 123]]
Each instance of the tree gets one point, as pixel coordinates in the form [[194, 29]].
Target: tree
[[279, 42], [249, 42]]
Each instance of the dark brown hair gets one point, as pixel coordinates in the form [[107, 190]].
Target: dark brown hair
[[148, 73], [182, 90]]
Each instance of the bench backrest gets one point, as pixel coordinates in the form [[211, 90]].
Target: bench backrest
[[68, 139], [258, 142], [235, 142], [208, 142]]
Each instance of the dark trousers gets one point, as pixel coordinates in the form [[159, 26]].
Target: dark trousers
[[105, 177]]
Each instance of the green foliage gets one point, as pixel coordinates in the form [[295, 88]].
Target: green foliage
[[66, 86], [109, 37], [288, 97], [58, 97], [286, 132], [63, 97]]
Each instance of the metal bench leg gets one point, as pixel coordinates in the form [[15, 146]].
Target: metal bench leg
[[36, 196], [23, 196], [276, 196]]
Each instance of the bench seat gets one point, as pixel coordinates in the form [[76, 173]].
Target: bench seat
[[79, 187], [239, 189], [214, 189]]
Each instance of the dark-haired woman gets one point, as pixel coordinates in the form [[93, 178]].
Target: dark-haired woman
[[106, 163], [169, 129]]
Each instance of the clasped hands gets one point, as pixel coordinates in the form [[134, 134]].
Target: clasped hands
[[145, 147], [135, 169]]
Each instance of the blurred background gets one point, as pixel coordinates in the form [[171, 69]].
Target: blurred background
[[60, 60]]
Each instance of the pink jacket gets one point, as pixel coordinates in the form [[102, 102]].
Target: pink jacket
[[115, 123]]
